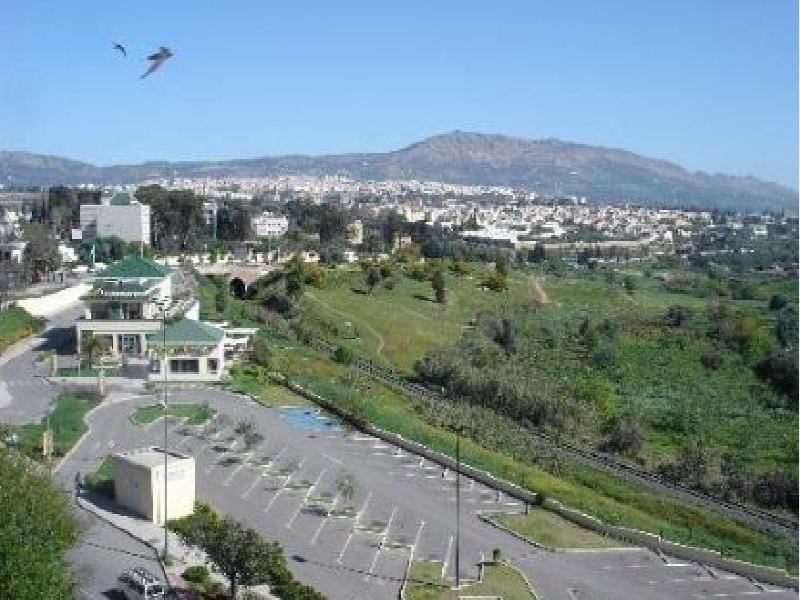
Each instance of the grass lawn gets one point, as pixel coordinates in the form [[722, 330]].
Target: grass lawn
[[549, 529], [66, 421], [252, 380], [195, 413], [15, 324], [401, 324], [500, 580]]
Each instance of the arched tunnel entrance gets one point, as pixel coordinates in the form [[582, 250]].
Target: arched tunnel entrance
[[238, 287]]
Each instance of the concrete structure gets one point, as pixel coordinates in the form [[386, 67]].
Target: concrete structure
[[118, 216], [12, 252], [194, 352], [139, 483], [269, 224]]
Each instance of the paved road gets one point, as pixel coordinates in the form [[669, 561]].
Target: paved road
[[404, 505], [24, 394]]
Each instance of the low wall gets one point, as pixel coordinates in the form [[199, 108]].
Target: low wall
[[771, 575]]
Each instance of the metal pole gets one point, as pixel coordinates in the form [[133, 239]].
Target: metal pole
[[458, 509], [164, 329]]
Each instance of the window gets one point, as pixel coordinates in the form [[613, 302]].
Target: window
[[184, 365], [155, 366], [212, 365]]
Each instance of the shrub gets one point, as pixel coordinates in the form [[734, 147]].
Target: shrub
[[385, 270], [197, 574], [496, 281], [315, 276], [343, 355], [711, 360], [778, 302], [677, 315]]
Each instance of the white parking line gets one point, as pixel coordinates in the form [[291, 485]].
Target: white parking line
[[327, 518], [346, 544], [360, 513], [416, 541], [447, 556], [230, 477], [272, 500], [305, 499], [253, 485], [332, 459]]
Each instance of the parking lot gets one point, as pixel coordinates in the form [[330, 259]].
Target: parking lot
[[401, 506]]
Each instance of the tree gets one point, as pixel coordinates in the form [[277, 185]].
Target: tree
[[36, 531], [677, 315], [41, 252], [778, 302], [347, 486], [439, 289], [295, 279], [373, 277]]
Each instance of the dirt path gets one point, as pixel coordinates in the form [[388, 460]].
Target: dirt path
[[539, 295]]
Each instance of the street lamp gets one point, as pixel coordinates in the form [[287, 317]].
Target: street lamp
[[162, 306]]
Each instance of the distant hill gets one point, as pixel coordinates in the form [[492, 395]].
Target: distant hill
[[545, 165]]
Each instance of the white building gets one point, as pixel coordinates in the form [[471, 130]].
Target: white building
[[139, 483], [269, 224], [116, 216]]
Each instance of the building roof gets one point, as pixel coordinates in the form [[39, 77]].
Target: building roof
[[133, 267], [151, 457], [187, 331]]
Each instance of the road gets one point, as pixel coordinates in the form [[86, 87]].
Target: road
[[24, 394], [404, 504]]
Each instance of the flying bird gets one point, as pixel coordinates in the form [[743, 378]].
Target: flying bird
[[158, 59], [121, 48]]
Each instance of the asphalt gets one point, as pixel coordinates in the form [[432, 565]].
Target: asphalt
[[404, 505]]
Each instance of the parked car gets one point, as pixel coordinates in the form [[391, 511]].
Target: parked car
[[140, 584]]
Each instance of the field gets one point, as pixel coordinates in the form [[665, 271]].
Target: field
[[399, 325], [15, 324], [500, 580], [551, 530]]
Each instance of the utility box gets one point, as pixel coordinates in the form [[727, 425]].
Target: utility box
[[139, 479]]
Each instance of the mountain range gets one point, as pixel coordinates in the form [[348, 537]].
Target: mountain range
[[548, 166]]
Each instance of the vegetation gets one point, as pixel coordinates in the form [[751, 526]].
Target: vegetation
[[101, 480], [66, 422], [241, 554], [36, 531], [549, 529], [499, 581], [584, 358], [16, 324], [195, 414]]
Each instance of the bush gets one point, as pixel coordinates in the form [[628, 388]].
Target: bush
[[315, 276], [711, 360], [197, 574], [496, 281], [677, 315], [343, 355], [778, 302]]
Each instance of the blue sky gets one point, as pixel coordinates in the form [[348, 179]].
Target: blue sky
[[710, 84]]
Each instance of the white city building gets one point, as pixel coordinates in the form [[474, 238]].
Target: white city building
[[116, 216], [269, 224]]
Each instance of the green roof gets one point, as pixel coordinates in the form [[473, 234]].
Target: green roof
[[133, 267], [187, 331]]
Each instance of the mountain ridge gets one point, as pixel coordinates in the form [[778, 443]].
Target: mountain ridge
[[547, 165]]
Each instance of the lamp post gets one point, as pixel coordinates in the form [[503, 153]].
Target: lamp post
[[458, 508], [163, 309]]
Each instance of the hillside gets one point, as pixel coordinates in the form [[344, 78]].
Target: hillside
[[546, 165]]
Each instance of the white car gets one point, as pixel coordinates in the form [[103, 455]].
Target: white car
[[139, 584]]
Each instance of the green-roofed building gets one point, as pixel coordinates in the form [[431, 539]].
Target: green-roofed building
[[133, 267], [194, 352]]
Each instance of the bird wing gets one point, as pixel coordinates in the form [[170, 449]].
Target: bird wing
[[154, 66], [121, 48]]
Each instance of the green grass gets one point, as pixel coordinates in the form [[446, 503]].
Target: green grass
[[400, 325], [102, 479], [252, 380], [66, 422], [553, 531], [502, 580], [16, 324], [195, 414]]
